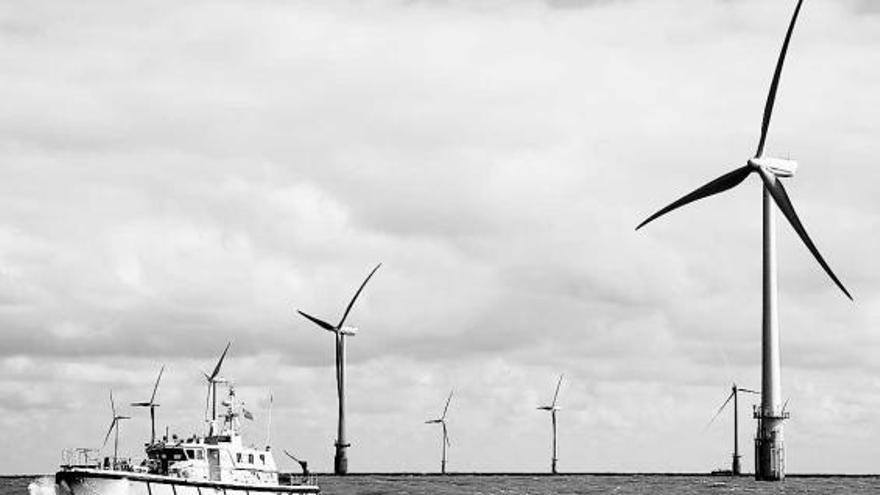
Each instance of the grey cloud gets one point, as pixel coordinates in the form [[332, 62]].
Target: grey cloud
[[169, 186]]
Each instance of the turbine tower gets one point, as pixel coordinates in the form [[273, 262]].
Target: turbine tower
[[735, 468], [211, 398], [152, 405], [553, 408], [442, 421], [769, 447], [114, 427], [340, 461]]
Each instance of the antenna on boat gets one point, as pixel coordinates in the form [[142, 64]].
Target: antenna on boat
[[152, 405], [114, 426], [269, 422], [213, 379]]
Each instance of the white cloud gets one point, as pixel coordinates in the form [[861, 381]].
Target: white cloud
[[177, 175]]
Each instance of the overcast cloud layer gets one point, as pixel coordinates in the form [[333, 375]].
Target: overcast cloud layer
[[178, 174]]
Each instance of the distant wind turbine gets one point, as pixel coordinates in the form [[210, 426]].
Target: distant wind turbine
[[735, 468], [213, 379], [340, 461], [553, 408], [152, 405], [770, 464], [114, 427], [442, 421]]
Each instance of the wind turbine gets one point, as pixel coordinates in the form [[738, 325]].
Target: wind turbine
[[340, 461], [213, 379], [770, 458], [152, 405], [735, 467], [553, 408], [442, 421], [114, 427]]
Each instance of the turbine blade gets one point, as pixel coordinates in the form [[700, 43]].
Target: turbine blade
[[721, 184], [156, 386], [356, 294], [748, 391], [112, 404], [446, 408], [774, 86], [107, 437], [556, 394], [321, 323], [721, 409], [446, 436], [220, 362], [774, 186]]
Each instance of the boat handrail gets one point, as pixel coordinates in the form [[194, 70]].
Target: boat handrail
[[81, 457]]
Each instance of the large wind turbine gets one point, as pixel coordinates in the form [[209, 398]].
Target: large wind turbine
[[442, 421], [340, 461], [211, 398], [114, 427], [734, 394], [553, 408], [770, 458], [152, 405]]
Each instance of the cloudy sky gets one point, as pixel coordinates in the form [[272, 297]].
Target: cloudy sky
[[175, 175]]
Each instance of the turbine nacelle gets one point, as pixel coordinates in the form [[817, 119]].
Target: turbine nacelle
[[549, 408], [780, 167], [349, 331]]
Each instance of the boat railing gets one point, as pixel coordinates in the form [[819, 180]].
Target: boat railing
[[80, 457], [298, 479]]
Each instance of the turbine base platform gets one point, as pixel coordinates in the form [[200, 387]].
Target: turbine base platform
[[769, 446], [340, 463]]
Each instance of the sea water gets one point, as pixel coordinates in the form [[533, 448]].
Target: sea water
[[535, 485]]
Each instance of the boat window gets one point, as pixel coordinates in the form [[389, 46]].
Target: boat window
[[238, 457], [200, 454], [250, 458], [172, 454], [190, 453], [262, 459]]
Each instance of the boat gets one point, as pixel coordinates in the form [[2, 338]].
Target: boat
[[216, 463]]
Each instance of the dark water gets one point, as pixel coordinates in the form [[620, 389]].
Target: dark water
[[532, 485]]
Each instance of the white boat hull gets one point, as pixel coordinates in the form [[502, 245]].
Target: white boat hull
[[82, 481]]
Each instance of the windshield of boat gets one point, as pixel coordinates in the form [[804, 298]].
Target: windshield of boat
[[169, 454]]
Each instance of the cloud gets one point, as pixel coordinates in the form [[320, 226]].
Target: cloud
[[170, 185]]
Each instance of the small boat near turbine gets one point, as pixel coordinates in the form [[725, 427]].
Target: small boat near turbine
[[217, 463]]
